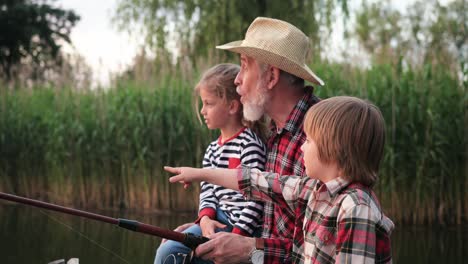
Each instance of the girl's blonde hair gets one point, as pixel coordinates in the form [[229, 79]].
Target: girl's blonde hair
[[351, 132], [219, 80]]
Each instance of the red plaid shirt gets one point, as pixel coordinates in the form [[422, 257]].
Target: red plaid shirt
[[343, 222], [285, 158]]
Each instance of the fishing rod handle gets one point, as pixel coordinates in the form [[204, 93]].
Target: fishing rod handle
[[188, 239], [192, 241]]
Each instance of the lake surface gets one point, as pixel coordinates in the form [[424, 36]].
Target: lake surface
[[30, 235]]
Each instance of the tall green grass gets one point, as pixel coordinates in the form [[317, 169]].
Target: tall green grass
[[107, 148], [423, 177], [103, 148]]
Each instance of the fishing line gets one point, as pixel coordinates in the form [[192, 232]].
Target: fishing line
[[85, 237]]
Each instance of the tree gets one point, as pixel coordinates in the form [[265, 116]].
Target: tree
[[426, 33], [30, 32], [378, 27], [197, 26]]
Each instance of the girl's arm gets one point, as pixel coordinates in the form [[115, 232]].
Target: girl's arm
[[251, 217], [208, 201]]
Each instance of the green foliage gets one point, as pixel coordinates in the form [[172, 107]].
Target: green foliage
[[424, 163], [32, 30], [197, 26], [377, 26], [108, 148], [426, 32], [105, 138]]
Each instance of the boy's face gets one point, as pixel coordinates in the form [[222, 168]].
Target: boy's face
[[315, 168]]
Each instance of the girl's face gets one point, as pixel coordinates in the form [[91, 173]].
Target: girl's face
[[215, 110]]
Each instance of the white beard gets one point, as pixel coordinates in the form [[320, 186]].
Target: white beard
[[255, 108], [253, 112]]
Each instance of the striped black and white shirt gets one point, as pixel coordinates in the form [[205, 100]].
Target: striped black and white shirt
[[244, 148]]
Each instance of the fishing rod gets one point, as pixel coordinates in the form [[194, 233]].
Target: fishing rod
[[188, 239]]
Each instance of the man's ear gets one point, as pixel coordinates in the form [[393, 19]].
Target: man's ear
[[234, 107], [273, 76]]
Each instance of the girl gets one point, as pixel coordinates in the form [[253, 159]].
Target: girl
[[222, 209]]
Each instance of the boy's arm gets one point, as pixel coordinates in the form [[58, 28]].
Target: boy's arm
[[223, 177], [284, 191], [263, 186]]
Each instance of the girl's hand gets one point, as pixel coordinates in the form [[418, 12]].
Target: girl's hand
[[208, 226], [185, 175]]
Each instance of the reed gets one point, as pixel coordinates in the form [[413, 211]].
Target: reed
[[106, 148], [423, 175]]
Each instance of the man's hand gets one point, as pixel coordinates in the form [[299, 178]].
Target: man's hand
[[208, 226], [226, 248], [180, 228]]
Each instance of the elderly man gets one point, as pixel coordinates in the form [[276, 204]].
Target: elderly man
[[271, 81]]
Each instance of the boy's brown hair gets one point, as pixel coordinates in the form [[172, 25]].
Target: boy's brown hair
[[351, 132]]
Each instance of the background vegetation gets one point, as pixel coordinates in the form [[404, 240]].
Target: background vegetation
[[106, 148], [31, 36]]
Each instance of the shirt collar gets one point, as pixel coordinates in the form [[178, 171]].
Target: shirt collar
[[334, 186], [296, 117]]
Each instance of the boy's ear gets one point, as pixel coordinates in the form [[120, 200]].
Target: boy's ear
[[234, 107], [273, 75]]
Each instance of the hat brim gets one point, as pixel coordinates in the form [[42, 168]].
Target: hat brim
[[283, 63]]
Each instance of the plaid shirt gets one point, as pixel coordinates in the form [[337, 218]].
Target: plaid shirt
[[343, 222], [285, 158]]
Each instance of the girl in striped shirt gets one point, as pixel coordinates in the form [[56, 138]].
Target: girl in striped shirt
[[222, 209]]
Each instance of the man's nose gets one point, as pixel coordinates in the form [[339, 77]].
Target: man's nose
[[237, 80]]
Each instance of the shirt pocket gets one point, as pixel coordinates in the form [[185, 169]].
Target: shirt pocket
[[320, 242], [233, 163], [324, 236]]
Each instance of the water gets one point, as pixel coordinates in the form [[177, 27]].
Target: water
[[30, 235]]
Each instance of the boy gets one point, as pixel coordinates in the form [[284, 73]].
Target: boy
[[343, 221]]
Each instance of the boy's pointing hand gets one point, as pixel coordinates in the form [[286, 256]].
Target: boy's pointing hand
[[185, 175]]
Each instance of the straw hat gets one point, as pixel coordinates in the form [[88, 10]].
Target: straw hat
[[277, 43]]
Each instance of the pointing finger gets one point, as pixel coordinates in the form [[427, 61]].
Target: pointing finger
[[172, 169]]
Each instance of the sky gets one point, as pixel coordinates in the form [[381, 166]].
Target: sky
[[106, 50], [94, 37]]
